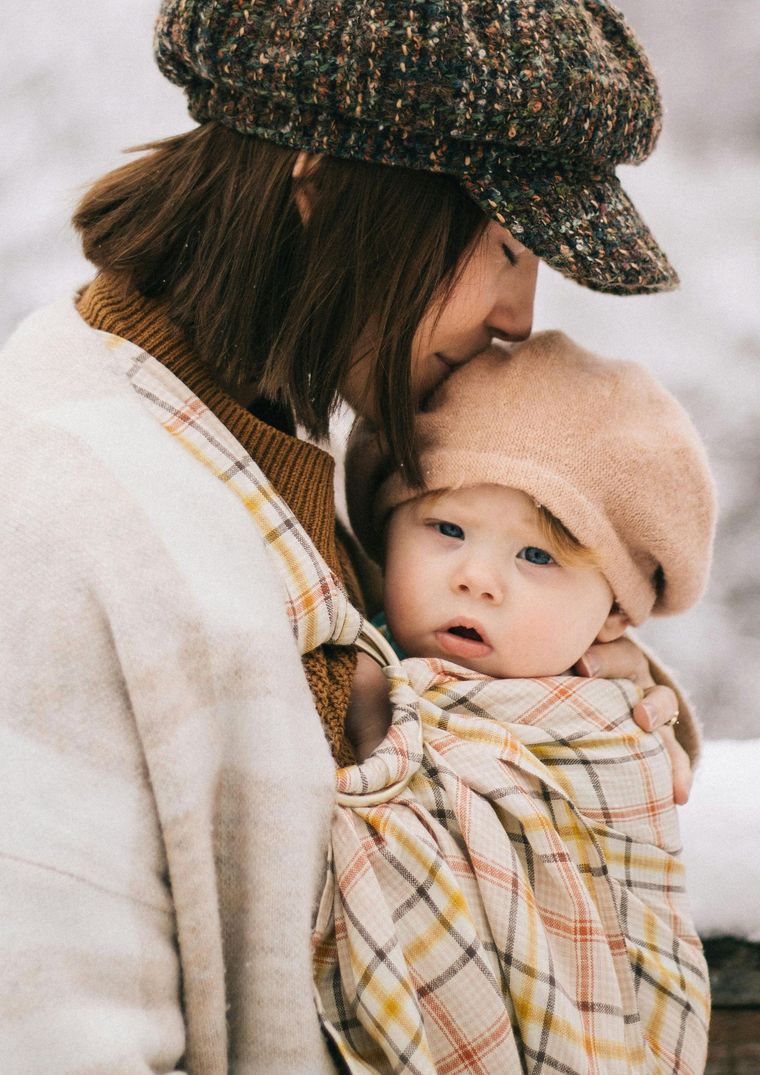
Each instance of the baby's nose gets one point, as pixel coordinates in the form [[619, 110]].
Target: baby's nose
[[481, 584]]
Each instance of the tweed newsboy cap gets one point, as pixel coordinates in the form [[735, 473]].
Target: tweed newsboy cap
[[530, 104], [598, 442]]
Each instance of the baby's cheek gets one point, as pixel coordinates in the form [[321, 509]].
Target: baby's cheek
[[549, 643], [406, 621], [403, 627]]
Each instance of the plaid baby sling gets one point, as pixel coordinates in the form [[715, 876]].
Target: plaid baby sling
[[503, 892], [519, 906]]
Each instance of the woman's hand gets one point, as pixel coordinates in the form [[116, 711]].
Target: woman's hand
[[369, 707], [623, 659]]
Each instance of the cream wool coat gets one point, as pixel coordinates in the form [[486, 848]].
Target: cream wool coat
[[165, 785]]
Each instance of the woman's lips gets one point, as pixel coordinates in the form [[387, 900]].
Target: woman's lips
[[446, 367], [459, 645]]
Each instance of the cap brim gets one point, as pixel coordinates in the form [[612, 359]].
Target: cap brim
[[582, 224]]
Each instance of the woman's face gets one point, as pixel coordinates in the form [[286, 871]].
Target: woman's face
[[493, 298]]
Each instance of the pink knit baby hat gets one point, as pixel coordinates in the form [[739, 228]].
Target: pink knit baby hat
[[598, 442]]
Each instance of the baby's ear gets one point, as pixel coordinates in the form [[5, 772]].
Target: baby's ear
[[614, 626]]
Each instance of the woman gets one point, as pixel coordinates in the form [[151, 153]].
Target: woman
[[166, 782]]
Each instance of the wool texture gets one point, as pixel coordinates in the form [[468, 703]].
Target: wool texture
[[164, 776], [666, 1019], [302, 473], [598, 442], [530, 105]]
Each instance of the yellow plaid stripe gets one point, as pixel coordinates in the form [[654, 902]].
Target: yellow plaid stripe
[[317, 606], [521, 898], [518, 906]]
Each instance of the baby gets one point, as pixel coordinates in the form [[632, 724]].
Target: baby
[[567, 497]]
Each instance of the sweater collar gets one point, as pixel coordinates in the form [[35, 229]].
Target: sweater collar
[[301, 472]]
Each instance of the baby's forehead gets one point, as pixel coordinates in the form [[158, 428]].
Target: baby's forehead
[[494, 503]]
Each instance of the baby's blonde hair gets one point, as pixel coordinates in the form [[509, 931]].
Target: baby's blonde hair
[[569, 551]]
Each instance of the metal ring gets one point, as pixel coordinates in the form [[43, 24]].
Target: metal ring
[[673, 720], [377, 646]]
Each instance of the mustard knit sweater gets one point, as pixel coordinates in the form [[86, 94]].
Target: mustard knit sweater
[[300, 472]]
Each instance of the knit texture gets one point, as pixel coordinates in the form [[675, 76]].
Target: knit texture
[[612, 1013], [301, 472], [530, 105], [598, 442], [164, 778]]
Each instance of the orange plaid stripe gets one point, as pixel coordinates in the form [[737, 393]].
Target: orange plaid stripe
[[317, 606], [519, 906]]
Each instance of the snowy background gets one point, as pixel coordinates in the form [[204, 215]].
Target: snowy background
[[78, 85]]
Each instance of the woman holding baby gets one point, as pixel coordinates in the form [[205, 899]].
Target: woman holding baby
[[361, 210]]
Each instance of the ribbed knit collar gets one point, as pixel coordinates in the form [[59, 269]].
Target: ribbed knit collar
[[300, 472]]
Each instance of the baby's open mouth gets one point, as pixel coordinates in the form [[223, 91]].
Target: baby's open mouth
[[463, 642], [465, 632]]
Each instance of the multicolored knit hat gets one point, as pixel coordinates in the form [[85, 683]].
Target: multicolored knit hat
[[530, 104], [600, 443]]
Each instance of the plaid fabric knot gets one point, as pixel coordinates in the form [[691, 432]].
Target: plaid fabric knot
[[518, 905], [396, 760], [503, 891]]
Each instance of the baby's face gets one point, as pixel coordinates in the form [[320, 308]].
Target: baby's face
[[469, 578]]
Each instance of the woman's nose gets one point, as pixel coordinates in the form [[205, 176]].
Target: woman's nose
[[511, 318]]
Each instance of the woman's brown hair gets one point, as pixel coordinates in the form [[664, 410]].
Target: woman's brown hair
[[207, 223]]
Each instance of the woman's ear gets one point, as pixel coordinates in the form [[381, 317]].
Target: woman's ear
[[614, 626], [303, 191]]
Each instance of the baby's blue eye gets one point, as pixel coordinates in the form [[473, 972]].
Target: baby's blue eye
[[535, 556], [450, 530]]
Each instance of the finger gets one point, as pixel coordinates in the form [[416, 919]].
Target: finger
[[658, 706], [621, 659], [679, 760]]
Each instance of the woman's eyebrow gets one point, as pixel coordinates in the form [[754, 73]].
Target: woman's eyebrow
[[509, 254]]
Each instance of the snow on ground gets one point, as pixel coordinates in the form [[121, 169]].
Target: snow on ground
[[721, 837]]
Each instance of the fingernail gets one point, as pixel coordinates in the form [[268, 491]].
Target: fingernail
[[651, 714]]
